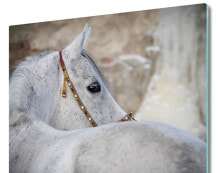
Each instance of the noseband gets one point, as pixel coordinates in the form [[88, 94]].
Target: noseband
[[67, 81]]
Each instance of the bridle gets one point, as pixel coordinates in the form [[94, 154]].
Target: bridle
[[127, 117]]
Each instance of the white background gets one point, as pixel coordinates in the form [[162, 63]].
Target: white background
[[27, 11]]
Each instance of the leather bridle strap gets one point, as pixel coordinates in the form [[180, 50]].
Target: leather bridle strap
[[67, 81]]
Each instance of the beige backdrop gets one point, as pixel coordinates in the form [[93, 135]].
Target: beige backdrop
[[112, 36]]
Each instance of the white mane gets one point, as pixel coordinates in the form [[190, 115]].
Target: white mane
[[22, 94]]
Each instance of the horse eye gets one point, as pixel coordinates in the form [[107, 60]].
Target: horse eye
[[94, 87]]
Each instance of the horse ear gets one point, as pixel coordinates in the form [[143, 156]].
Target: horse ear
[[76, 47], [86, 34]]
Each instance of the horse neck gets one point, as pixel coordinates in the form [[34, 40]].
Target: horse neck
[[67, 114], [34, 86]]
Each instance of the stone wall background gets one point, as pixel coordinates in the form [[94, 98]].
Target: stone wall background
[[117, 43]]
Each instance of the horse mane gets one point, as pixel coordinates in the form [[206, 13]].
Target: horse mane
[[21, 88]]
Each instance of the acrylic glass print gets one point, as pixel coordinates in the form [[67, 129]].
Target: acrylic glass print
[[114, 93]]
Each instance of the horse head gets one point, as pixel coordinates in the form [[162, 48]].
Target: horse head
[[40, 81]]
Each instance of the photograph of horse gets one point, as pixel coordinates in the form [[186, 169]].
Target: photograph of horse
[[66, 117]]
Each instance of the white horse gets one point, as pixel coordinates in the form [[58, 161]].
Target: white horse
[[53, 133]]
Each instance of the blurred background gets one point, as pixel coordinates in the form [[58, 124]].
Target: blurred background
[[154, 60]]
